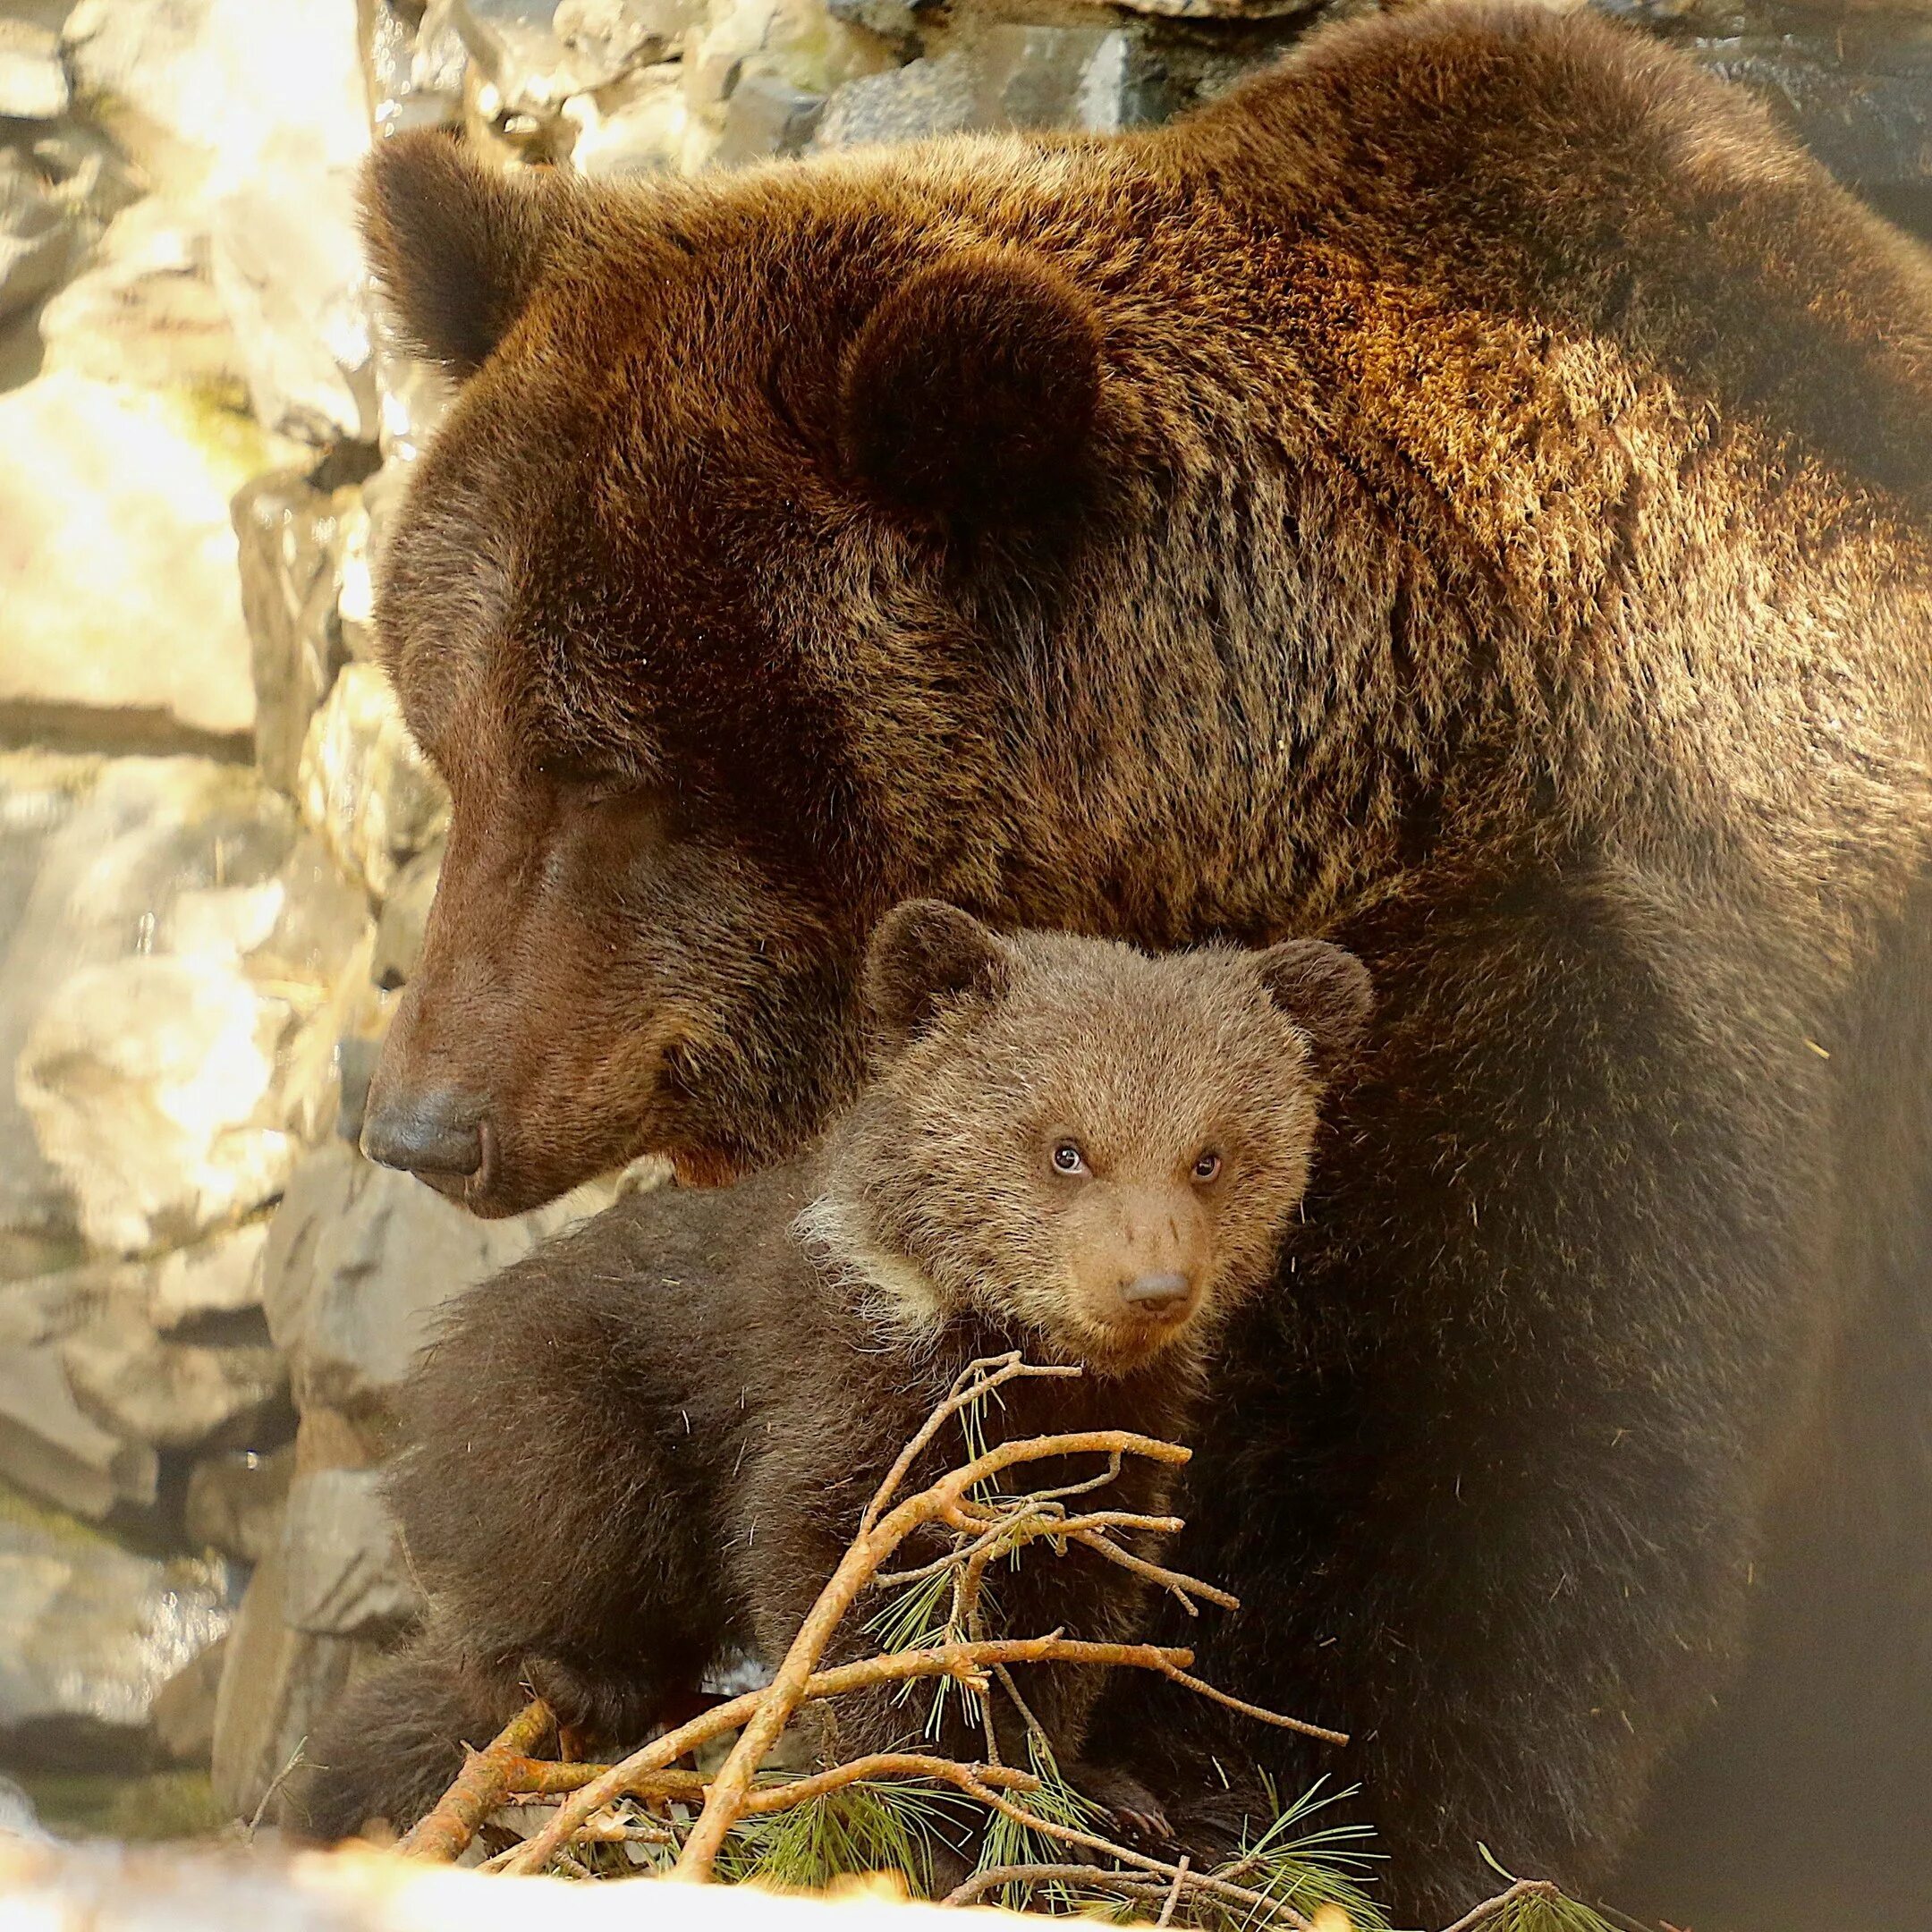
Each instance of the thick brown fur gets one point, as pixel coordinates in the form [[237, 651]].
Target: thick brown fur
[[650, 1443], [1499, 542]]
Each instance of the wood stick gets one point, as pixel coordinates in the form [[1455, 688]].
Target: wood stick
[[1490, 1907], [1183, 1585], [856, 1569], [479, 1788], [1256, 1711], [943, 1660], [537, 1777], [885, 1763], [1133, 1885]]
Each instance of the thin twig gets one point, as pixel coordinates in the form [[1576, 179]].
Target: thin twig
[[974, 1383], [861, 1561], [972, 1889], [1255, 1710], [1174, 1897], [1184, 1587], [480, 1787], [1490, 1907], [884, 1764], [961, 1661]]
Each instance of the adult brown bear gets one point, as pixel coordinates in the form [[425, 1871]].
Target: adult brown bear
[[1463, 495]]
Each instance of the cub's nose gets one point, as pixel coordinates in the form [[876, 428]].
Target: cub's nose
[[1155, 1294], [436, 1132]]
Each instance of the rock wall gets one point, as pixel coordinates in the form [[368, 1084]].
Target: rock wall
[[217, 843]]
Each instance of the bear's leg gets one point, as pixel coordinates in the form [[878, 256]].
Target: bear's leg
[[555, 1503], [1488, 1475], [395, 1742]]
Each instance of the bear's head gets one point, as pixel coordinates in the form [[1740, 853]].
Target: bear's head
[[1072, 1139], [726, 470]]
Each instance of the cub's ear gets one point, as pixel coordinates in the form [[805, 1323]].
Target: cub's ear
[[924, 954], [1327, 992], [969, 394], [456, 247]]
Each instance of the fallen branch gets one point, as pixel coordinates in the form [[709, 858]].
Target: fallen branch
[[964, 1661], [861, 1561], [481, 1787]]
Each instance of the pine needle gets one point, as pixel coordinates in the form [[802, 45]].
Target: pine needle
[[1007, 1842], [1302, 1867], [1539, 1911], [847, 1833]]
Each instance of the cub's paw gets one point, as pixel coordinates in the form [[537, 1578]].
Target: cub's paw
[[593, 1709], [1133, 1808]]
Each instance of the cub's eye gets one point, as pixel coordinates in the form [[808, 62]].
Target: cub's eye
[[1067, 1157], [1207, 1166]]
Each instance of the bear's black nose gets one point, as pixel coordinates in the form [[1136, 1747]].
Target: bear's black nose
[[436, 1132], [1151, 1294]]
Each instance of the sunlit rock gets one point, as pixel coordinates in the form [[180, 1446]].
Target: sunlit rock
[[364, 785], [117, 560], [89, 1633], [795, 42], [358, 1260], [37, 237], [147, 1081], [173, 1393], [50, 1448], [215, 1277], [637, 125], [344, 1574], [95, 856], [290, 537], [251, 110], [146, 311], [33, 84], [277, 1683]]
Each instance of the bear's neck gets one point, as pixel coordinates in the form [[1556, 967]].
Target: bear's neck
[[904, 1320]]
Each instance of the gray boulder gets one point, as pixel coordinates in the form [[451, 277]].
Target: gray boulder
[[89, 1634]]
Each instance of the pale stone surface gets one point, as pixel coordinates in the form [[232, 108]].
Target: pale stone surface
[[182, 1718], [250, 110], [33, 84], [37, 235], [111, 1888], [147, 1081], [49, 1448], [108, 495], [174, 1395], [89, 1633], [222, 1276], [344, 1574], [358, 1260], [364, 785], [276, 1682], [146, 311]]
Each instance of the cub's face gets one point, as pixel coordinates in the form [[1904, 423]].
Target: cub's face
[[1102, 1147], [715, 458]]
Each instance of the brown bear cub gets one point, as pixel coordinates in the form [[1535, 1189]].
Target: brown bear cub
[[646, 1446]]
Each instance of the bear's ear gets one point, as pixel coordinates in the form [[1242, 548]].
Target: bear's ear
[[456, 247], [1327, 992], [924, 954], [967, 395]]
